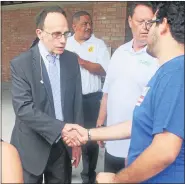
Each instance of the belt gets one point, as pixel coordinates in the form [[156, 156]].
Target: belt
[[92, 94]]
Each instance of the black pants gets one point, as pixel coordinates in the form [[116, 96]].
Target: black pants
[[113, 164], [91, 106], [58, 169]]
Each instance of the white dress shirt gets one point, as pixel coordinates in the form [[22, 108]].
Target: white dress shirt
[[127, 75], [95, 51]]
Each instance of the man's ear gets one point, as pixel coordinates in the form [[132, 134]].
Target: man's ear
[[163, 27], [130, 21], [74, 27], [39, 33]]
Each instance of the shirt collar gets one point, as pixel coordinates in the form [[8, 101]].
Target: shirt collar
[[90, 40], [44, 52], [130, 48]]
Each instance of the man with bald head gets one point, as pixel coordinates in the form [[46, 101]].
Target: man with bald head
[[46, 93]]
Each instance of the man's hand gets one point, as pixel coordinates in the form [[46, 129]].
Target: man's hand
[[76, 156], [99, 123], [94, 68], [81, 61], [105, 177], [101, 144], [74, 135]]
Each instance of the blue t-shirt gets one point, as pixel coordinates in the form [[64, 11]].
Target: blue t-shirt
[[161, 108]]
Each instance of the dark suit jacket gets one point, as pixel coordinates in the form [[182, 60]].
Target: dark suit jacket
[[36, 128]]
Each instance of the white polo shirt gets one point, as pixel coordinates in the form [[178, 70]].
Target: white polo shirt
[[95, 51], [128, 73]]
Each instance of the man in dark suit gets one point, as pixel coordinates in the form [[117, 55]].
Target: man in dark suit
[[46, 92]]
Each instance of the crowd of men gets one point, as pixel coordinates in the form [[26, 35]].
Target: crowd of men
[[61, 108]]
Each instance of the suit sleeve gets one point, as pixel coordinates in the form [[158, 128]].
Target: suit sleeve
[[26, 111], [78, 103]]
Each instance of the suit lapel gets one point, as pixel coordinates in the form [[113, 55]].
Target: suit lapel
[[63, 77], [41, 73], [47, 83]]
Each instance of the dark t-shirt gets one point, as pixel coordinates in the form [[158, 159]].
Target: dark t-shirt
[[161, 108]]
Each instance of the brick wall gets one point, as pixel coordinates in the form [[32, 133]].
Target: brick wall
[[18, 26], [109, 22]]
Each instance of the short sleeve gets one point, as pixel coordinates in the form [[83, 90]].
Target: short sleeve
[[103, 57], [168, 104]]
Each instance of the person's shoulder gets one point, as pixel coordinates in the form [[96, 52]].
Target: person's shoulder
[[11, 164], [127, 45], [121, 49], [70, 54], [124, 47], [97, 40], [172, 72], [71, 61], [22, 57], [9, 149], [177, 62], [70, 57], [175, 65]]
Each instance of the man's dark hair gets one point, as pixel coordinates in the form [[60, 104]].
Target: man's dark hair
[[78, 14], [173, 11], [133, 5], [35, 42], [40, 18]]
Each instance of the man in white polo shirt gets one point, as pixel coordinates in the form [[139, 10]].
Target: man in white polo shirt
[[93, 60], [129, 71]]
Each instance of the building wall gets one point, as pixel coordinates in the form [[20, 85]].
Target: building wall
[[18, 25]]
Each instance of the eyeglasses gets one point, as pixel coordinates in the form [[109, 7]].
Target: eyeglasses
[[58, 35], [148, 24]]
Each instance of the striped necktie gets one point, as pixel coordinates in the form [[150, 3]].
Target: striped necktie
[[54, 78]]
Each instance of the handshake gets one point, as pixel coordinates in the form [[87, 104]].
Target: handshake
[[74, 135]]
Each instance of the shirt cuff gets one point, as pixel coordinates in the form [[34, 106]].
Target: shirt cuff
[[58, 139]]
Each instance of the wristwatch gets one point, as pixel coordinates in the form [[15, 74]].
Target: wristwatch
[[101, 125], [89, 134]]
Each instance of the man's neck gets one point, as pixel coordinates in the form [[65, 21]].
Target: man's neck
[[46, 49], [78, 39], [170, 51], [137, 45]]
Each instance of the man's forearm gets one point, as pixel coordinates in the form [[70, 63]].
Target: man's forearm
[[94, 68], [103, 110], [159, 155], [115, 132]]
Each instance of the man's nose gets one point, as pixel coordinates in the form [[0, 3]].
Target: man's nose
[[88, 26], [63, 39], [144, 26]]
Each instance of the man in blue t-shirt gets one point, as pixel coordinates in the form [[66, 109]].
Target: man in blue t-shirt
[[156, 153]]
